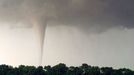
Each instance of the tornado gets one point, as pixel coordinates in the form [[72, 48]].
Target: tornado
[[39, 27]]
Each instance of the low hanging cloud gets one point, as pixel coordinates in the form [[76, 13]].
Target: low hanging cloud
[[92, 15]]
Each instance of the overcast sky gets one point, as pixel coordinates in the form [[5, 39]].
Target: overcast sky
[[96, 32]]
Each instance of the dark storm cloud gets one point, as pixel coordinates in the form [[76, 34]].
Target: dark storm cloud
[[94, 15], [123, 10]]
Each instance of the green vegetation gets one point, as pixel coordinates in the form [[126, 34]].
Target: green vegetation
[[62, 69]]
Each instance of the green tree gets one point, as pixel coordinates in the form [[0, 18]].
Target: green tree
[[5, 69], [86, 69], [94, 70], [48, 69], [106, 70], [39, 71], [60, 69]]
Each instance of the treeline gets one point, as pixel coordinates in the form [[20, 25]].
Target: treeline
[[62, 69]]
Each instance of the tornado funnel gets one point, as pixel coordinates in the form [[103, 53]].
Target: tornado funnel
[[40, 29]]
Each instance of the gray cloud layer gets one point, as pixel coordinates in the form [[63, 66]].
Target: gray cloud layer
[[94, 15]]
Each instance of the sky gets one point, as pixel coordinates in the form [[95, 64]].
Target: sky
[[48, 32]]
